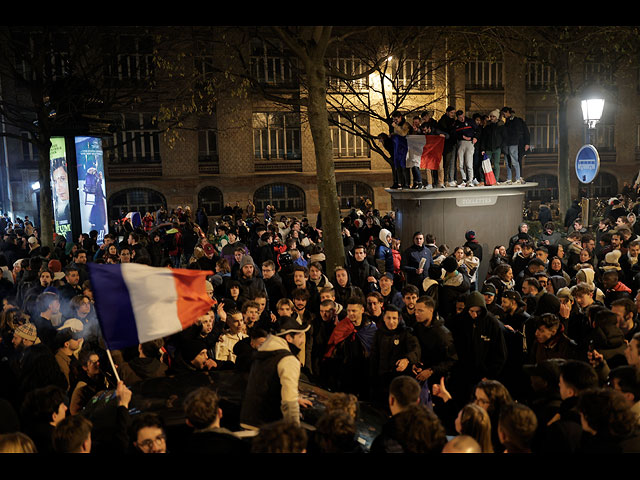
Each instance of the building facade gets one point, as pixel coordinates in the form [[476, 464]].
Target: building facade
[[253, 149]]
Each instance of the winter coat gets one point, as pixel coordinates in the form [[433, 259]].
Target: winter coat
[[272, 388], [384, 254], [491, 137], [438, 351], [446, 124], [389, 346], [452, 286], [480, 342], [515, 132], [411, 262]]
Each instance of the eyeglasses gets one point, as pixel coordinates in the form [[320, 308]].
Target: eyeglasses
[[159, 440]]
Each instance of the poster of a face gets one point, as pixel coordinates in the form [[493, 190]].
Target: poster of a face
[[60, 188], [93, 203]]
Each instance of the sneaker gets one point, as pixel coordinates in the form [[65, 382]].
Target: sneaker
[[452, 184], [430, 187], [521, 181], [417, 186], [462, 185], [508, 182], [442, 185], [470, 184], [395, 186], [475, 182]]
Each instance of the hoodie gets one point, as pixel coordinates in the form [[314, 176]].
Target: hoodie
[[262, 397], [587, 275], [384, 254], [479, 342]]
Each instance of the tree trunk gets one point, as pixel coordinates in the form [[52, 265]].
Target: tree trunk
[[46, 206], [564, 163], [326, 178]]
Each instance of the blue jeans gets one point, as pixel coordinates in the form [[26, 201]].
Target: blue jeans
[[417, 175], [511, 159]]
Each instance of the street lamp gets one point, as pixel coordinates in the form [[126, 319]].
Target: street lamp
[[588, 159], [592, 111]]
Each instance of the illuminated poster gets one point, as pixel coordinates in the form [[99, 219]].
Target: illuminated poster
[[60, 188], [93, 204]]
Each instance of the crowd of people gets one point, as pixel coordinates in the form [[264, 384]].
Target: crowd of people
[[541, 355], [472, 146]]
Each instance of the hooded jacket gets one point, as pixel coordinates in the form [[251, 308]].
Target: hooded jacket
[[480, 342], [272, 388], [587, 275], [384, 254], [453, 285]]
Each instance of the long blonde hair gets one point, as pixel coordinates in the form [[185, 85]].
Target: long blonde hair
[[16, 443], [475, 422]]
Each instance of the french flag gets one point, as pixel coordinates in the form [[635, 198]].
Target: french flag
[[137, 303]]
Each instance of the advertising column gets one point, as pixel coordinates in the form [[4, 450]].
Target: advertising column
[[90, 168], [60, 188]]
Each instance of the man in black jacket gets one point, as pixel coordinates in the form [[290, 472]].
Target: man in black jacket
[[480, 344], [361, 272], [416, 261], [515, 143], [446, 124], [438, 352]]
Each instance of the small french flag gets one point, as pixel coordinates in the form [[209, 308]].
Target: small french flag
[[137, 303]]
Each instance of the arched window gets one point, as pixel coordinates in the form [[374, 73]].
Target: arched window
[[284, 196], [350, 192], [135, 200], [604, 185], [547, 187], [210, 198]]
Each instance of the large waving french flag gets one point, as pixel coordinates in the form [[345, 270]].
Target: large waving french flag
[[137, 303]]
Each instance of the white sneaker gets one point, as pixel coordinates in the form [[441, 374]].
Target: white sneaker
[[470, 184], [475, 182], [462, 185], [442, 185], [452, 184], [428, 187], [521, 181], [508, 182]]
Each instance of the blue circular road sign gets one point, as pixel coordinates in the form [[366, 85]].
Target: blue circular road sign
[[587, 163]]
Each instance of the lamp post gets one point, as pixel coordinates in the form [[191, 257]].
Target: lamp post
[[588, 160]]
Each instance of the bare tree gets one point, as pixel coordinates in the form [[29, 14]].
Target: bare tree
[[566, 50], [61, 80]]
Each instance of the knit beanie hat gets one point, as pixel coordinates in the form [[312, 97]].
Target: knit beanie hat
[[246, 260], [55, 265], [27, 331], [191, 347], [470, 235]]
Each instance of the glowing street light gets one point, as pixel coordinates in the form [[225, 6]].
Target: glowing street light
[[592, 111]]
